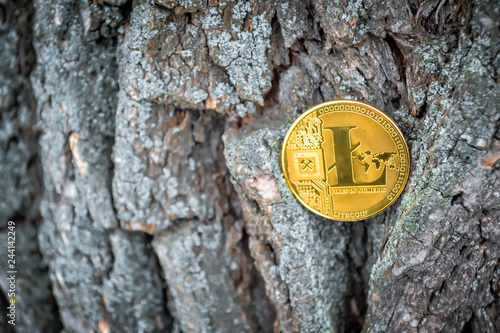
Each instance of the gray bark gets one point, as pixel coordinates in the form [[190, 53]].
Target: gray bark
[[158, 127], [21, 184]]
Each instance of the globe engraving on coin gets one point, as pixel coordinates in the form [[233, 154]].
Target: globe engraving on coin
[[345, 160]]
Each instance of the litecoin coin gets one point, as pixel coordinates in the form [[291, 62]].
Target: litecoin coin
[[345, 160]]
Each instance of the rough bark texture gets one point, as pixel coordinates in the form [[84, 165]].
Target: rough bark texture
[[157, 126], [21, 184]]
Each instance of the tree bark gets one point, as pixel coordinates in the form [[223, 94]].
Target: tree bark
[[158, 128]]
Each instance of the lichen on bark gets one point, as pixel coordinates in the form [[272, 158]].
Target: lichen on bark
[[159, 124]]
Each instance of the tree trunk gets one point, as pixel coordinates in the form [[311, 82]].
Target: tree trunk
[[158, 125]]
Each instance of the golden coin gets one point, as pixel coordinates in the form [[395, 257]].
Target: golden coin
[[345, 160]]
